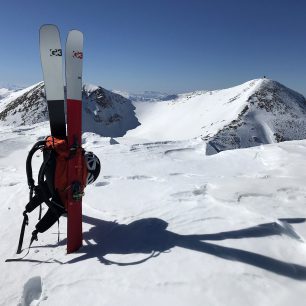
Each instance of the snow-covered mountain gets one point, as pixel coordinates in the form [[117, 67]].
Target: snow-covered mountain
[[6, 91], [257, 112], [104, 112], [107, 113], [145, 96], [24, 107], [272, 113]]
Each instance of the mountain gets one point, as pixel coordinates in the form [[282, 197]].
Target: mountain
[[24, 107], [260, 111], [145, 96], [257, 112], [272, 113], [4, 92], [104, 112], [107, 113]]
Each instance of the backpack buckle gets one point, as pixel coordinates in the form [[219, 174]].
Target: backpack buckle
[[77, 192]]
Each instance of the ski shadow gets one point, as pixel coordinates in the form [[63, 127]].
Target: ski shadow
[[150, 237]]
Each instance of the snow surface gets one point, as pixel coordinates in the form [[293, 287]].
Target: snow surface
[[260, 111], [192, 114], [163, 225], [145, 96]]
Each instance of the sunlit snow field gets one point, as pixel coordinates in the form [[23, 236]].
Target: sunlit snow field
[[164, 224]]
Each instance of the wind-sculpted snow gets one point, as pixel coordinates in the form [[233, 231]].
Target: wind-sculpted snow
[[163, 220]]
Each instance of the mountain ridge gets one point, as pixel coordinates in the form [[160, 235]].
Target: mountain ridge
[[259, 111]]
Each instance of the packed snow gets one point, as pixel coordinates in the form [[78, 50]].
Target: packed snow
[[164, 224]]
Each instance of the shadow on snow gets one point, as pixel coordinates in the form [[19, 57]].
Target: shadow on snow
[[150, 236]]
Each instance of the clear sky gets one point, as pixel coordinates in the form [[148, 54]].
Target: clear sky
[[163, 45]]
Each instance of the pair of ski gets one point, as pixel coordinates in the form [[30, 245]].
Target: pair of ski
[[52, 65]]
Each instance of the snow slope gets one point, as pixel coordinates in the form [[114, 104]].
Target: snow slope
[[257, 112], [8, 89], [192, 114], [145, 96], [104, 112], [164, 224], [107, 113], [4, 92]]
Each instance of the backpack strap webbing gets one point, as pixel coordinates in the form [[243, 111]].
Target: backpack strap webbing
[[31, 183], [43, 188], [38, 145]]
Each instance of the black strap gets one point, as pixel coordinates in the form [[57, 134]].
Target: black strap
[[55, 210], [50, 218], [40, 212], [24, 223], [34, 237], [42, 187], [38, 145]]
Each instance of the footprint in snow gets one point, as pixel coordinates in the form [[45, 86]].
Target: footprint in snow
[[32, 292]]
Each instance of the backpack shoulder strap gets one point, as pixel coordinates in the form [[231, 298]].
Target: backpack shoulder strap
[[38, 145]]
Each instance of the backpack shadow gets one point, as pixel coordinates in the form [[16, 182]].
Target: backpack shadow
[[150, 237]]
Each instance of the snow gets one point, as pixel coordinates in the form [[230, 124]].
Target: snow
[[11, 95], [260, 111], [90, 88], [148, 96], [164, 223], [192, 114]]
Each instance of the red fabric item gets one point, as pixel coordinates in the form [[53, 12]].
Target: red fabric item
[[63, 154]]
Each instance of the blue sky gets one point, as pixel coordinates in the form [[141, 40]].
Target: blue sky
[[163, 45]]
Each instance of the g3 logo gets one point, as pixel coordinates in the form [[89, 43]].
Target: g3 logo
[[55, 52]]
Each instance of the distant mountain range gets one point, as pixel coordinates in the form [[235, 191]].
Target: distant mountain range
[[146, 96], [257, 112]]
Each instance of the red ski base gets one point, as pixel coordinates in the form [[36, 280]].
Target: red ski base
[[74, 207], [74, 226]]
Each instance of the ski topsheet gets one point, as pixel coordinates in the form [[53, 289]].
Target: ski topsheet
[[74, 63], [52, 66]]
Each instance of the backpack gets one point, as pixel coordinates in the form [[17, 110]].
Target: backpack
[[52, 187]]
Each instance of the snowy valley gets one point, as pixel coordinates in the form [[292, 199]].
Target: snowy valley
[[169, 221]]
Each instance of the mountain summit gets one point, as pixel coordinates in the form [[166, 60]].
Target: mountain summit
[[104, 112], [272, 113], [257, 112]]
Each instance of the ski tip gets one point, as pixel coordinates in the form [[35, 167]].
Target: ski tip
[[48, 27], [75, 33]]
